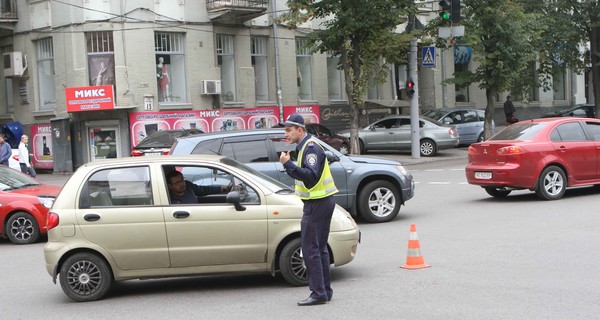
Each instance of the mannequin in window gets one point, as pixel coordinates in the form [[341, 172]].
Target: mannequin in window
[[163, 79], [99, 80]]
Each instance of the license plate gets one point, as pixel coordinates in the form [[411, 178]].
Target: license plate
[[483, 175], [152, 154]]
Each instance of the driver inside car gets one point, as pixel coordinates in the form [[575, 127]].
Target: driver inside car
[[182, 191]]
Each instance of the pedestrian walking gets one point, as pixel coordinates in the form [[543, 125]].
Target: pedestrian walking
[[315, 186], [5, 150], [509, 111], [24, 160]]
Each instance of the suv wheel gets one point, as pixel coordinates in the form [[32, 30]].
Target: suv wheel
[[379, 201], [85, 277], [22, 228], [292, 265]]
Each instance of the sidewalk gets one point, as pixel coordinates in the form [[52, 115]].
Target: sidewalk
[[403, 157]]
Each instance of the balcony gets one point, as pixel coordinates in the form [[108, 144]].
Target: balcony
[[235, 11], [8, 11]]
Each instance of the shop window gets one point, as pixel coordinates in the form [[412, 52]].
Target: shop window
[[334, 77], [258, 47], [101, 58], [226, 61], [45, 74], [170, 67], [304, 69], [461, 91]]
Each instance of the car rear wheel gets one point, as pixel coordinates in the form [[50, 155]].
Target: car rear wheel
[[497, 192], [379, 201], [481, 138], [22, 228], [85, 277], [428, 148], [291, 264], [551, 184], [344, 149]]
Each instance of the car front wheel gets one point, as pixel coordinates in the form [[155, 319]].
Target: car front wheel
[[22, 228], [379, 201], [85, 277], [291, 264], [551, 184], [428, 148], [344, 149]]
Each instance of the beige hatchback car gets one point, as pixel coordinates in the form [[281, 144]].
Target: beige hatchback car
[[114, 221]]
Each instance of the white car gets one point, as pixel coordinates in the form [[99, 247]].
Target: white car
[[13, 161]]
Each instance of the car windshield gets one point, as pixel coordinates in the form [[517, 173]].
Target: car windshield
[[161, 139], [434, 114], [11, 179], [520, 131], [268, 182]]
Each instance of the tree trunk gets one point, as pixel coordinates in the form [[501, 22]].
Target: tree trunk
[[354, 144], [489, 113]]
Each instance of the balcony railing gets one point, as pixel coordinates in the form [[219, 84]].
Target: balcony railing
[[257, 5], [8, 10]]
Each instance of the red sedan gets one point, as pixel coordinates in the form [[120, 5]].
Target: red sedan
[[24, 205], [543, 155]]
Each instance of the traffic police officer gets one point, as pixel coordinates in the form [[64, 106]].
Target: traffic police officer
[[315, 186]]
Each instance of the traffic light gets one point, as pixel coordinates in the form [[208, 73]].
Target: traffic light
[[455, 15], [445, 9], [410, 88]]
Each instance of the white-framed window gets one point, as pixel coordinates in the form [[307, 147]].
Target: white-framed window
[[461, 92], [101, 58], [8, 88], [170, 67], [45, 74], [258, 53], [558, 82], [226, 61], [334, 77], [304, 69], [372, 91]]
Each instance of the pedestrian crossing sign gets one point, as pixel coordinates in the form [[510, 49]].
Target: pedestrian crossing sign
[[428, 57]]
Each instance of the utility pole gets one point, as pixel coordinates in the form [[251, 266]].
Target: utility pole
[[415, 136]]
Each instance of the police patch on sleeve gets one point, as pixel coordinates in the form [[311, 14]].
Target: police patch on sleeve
[[311, 159]]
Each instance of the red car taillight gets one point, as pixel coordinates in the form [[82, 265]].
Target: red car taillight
[[452, 131], [471, 151], [136, 153], [166, 152], [510, 150], [52, 220]]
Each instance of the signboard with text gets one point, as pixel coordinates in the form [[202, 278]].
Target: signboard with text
[[41, 146], [92, 98]]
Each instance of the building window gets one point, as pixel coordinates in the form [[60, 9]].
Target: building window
[[372, 91], [304, 72], [8, 88], [45, 74], [258, 47], [170, 67], [101, 58], [558, 82], [334, 77], [461, 92], [226, 62]]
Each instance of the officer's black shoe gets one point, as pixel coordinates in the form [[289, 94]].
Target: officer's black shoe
[[310, 301]]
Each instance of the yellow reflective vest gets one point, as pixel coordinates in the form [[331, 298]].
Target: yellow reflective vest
[[325, 187]]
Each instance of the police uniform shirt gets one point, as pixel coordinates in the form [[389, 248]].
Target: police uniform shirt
[[313, 162]]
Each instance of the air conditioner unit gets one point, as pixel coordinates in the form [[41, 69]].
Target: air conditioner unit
[[211, 86], [15, 64]]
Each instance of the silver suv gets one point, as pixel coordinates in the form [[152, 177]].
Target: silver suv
[[115, 220], [371, 188]]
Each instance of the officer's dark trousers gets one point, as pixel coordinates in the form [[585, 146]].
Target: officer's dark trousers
[[315, 231]]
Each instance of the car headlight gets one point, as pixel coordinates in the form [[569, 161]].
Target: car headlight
[[46, 202], [403, 170], [342, 220]]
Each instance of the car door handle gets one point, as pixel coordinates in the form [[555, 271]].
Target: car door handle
[[91, 217], [181, 214]]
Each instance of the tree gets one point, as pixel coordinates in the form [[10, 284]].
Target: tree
[[503, 37], [363, 34]]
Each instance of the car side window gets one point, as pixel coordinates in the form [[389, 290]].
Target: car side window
[[324, 131], [404, 122], [386, 124], [118, 187], [212, 146], [571, 131], [594, 129], [246, 151], [470, 116]]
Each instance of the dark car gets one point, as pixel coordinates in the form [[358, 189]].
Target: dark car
[[24, 205], [580, 110], [543, 155], [368, 187], [468, 122], [340, 143], [159, 142]]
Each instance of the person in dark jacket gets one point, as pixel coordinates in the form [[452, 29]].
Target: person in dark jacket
[[509, 111]]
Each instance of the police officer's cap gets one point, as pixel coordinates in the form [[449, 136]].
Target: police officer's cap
[[293, 120]]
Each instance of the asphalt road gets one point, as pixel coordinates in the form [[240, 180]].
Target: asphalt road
[[513, 258]]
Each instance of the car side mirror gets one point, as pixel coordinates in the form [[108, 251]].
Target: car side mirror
[[235, 198], [372, 128], [331, 157]]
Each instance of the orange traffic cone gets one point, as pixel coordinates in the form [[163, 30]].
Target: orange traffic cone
[[414, 260]]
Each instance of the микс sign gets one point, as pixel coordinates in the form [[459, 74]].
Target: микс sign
[[90, 98]]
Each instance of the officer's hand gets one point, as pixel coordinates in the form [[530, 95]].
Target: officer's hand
[[284, 157]]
